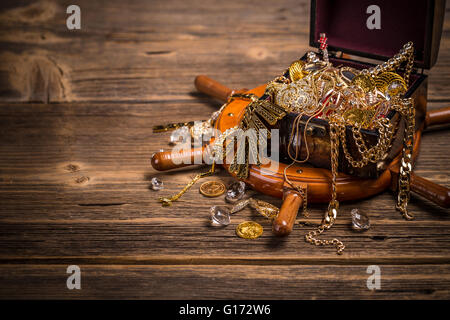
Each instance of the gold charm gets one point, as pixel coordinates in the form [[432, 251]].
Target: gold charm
[[249, 230], [240, 205], [212, 188], [264, 208], [297, 70]]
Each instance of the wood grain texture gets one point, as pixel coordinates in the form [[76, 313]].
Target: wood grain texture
[[225, 282], [76, 112]]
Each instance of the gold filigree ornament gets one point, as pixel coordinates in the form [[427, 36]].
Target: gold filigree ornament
[[297, 96]]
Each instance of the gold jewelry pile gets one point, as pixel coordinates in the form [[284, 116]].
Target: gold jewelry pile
[[344, 97], [361, 99]]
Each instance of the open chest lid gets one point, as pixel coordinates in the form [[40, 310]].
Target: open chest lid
[[355, 27]]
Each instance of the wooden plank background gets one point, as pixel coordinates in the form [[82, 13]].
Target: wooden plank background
[[76, 111]]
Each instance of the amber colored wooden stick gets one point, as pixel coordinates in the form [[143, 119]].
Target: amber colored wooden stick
[[214, 89], [439, 116], [283, 224], [426, 188], [430, 190], [167, 160]]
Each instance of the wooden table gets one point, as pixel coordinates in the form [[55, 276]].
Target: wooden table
[[76, 112]]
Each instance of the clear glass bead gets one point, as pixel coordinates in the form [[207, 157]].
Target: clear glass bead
[[235, 192], [360, 221], [157, 184], [220, 216]]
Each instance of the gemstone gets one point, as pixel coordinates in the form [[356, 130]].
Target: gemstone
[[181, 135], [157, 184], [360, 221], [235, 192], [220, 216]]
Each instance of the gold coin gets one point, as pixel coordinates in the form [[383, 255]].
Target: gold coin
[[212, 188], [391, 84], [249, 230], [365, 82]]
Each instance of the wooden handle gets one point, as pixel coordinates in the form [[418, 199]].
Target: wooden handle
[[430, 190], [214, 89], [283, 224], [439, 116], [167, 160]]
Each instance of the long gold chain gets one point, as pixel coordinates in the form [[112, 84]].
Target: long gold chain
[[374, 154], [406, 108], [405, 54], [168, 201], [331, 214]]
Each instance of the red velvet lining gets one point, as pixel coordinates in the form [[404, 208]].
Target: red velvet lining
[[344, 23]]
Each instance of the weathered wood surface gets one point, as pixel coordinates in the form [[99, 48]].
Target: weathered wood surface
[[76, 111], [224, 282]]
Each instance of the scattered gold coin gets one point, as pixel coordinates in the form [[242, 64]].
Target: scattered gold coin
[[249, 230], [212, 188]]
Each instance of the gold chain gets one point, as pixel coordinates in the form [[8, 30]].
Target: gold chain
[[405, 54], [304, 194], [405, 107], [331, 214], [375, 153], [168, 201]]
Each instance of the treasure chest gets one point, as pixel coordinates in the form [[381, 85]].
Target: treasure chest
[[374, 31]]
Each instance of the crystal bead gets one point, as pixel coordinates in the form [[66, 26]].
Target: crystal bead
[[360, 221], [235, 192], [157, 184], [220, 216]]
